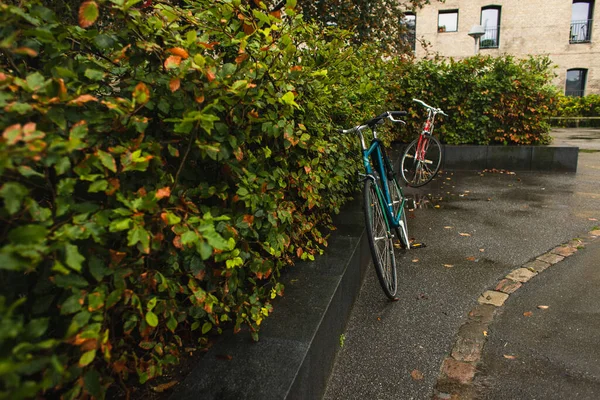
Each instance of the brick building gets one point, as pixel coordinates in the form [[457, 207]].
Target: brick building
[[561, 29]]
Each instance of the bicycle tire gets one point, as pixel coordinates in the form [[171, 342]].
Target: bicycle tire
[[380, 240], [418, 172], [397, 197]]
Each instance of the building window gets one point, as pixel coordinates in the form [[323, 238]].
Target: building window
[[409, 34], [576, 82], [581, 21], [448, 21], [490, 20]]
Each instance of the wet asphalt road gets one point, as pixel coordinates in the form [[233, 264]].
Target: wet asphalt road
[[477, 227]]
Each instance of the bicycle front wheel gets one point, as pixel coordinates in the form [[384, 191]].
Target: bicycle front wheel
[[380, 240], [421, 161], [396, 197]]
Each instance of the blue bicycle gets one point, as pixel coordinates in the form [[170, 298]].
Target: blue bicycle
[[383, 203]]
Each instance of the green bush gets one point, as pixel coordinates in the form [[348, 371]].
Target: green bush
[[159, 165], [489, 100], [571, 107]]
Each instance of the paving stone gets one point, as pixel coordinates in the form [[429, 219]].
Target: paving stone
[[458, 371], [564, 251], [595, 232], [521, 275], [577, 243], [551, 258], [483, 313], [467, 349], [509, 286], [537, 265], [492, 297]]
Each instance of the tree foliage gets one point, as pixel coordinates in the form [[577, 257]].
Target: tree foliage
[[377, 22]]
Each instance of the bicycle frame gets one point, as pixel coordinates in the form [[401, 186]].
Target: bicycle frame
[[374, 149]]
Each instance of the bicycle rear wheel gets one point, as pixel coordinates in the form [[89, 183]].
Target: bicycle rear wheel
[[380, 240], [420, 165]]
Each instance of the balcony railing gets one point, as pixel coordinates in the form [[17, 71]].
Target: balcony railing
[[491, 39], [581, 31]]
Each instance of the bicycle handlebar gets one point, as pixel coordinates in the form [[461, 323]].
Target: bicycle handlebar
[[435, 110], [391, 115]]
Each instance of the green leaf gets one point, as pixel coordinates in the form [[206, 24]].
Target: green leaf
[[120, 225], [107, 160], [87, 357], [151, 319], [98, 186], [172, 323], [70, 281], [151, 304], [28, 234], [290, 4], [138, 235], [92, 384], [36, 327], [35, 81], [71, 305], [113, 298], [13, 194], [97, 268], [73, 258], [206, 327], [94, 74]]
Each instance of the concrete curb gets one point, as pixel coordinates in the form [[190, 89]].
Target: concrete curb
[[459, 368]]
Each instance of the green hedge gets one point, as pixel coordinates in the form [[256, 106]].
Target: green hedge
[[585, 106], [489, 100], [159, 165]]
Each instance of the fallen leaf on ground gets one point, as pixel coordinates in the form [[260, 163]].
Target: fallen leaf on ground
[[527, 314], [447, 227], [481, 250], [543, 307], [415, 260], [509, 357], [448, 265], [471, 258], [592, 219], [416, 375], [165, 386], [464, 234], [224, 357], [485, 333], [437, 206]]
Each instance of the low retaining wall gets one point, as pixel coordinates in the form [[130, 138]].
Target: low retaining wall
[[512, 158], [298, 342]]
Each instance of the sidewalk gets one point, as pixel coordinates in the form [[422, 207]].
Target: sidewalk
[[478, 227], [545, 343]]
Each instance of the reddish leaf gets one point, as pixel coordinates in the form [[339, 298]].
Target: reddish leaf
[[527, 314], [174, 84], [210, 45], [25, 51], [163, 192], [141, 93], [84, 98], [88, 13], [210, 75], [417, 375], [178, 51], [241, 58], [296, 68], [164, 386], [172, 62], [249, 219]]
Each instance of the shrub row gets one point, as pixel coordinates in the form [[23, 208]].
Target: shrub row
[[159, 164], [502, 100], [571, 107]]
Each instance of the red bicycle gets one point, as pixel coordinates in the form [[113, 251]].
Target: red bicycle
[[422, 158]]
